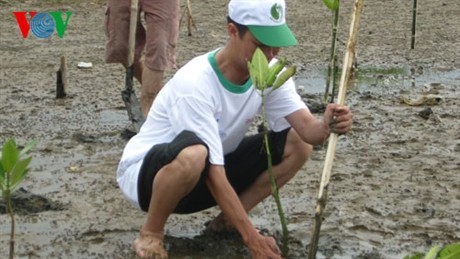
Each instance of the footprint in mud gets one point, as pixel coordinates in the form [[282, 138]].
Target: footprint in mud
[[25, 202]]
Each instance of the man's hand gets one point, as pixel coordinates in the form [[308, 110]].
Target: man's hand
[[338, 117], [263, 247], [260, 246]]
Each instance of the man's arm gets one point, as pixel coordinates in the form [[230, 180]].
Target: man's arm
[[260, 246], [336, 118]]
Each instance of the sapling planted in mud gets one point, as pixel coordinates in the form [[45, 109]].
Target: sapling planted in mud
[[333, 5], [14, 166], [265, 77]]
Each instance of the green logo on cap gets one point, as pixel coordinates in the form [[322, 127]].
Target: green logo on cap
[[276, 12]]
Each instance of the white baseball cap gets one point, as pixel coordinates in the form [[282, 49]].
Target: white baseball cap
[[265, 19]]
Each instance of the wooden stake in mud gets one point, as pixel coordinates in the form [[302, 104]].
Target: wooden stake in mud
[[346, 71], [414, 21], [129, 97], [61, 80], [190, 22]]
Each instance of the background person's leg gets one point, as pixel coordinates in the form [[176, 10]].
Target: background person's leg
[[162, 22], [116, 25], [152, 82]]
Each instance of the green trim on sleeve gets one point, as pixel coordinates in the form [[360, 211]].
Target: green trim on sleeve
[[231, 87]]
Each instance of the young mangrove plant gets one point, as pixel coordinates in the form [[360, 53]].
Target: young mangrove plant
[[333, 5], [265, 77], [14, 166]]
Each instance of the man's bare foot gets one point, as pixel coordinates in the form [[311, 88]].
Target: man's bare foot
[[150, 245]]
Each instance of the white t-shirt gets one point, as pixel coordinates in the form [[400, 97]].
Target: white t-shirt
[[199, 99]]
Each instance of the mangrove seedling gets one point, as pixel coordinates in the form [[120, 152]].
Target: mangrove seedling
[[332, 5], [14, 166], [272, 77]]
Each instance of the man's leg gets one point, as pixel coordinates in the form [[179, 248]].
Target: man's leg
[[296, 153], [171, 183], [116, 25], [138, 68], [152, 82], [162, 23]]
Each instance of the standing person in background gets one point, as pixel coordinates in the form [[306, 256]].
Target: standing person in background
[[155, 43]]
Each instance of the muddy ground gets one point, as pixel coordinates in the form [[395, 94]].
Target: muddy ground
[[395, 187]]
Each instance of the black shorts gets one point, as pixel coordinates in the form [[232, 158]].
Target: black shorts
[[242, 167]]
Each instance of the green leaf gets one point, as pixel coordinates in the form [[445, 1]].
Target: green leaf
[[284, 76], [252, 74], [432, 253], [258, 69], [416, 256], [28, 147], [10, 155], [332, 4], [451, 251], [19, 172]]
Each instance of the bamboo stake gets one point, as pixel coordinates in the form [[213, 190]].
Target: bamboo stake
[[132, 29], [414, 21], [190, 22], [346, 71]]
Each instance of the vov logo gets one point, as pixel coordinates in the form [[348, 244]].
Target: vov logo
[[42, 25]]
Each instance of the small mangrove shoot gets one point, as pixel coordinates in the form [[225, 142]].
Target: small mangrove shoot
[[14, 166], [264, 77]]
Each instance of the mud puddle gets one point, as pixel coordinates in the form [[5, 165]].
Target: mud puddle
[[380, 79]]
